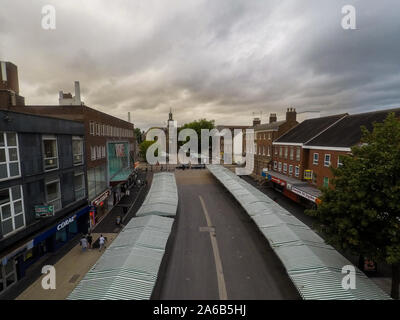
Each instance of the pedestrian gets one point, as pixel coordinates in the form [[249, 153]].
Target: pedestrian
[[102, 241], [118, 221], [89, 239], [127, 192], [84, 243], [139, 182]]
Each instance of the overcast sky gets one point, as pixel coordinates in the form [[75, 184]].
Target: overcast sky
[[217, 59]]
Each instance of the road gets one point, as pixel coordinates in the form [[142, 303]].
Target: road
[[217, 252]]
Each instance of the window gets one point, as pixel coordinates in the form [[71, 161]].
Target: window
[[286, 152], [280, 166], [290, 169], [98, 152], [297, 154], [9, 156], [92, 153], [285, 167], [326, 182], [280, 152], [314, 178], [77, 150], [275, 165], [12, 210], [263, 150], [339, 161], [291, 153], [327, 160], [103, 130], [79, 186], [91, 125], [269, 136], [315, 158], [296, 171], [103, 151], [53, 194], [50, 153], [269, 151], [276, 150]]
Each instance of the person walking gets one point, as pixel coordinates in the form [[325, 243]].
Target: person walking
[[102, 241], [84, 243], [89, 239]]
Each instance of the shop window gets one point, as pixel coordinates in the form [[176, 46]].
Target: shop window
[[8, 275], [9, 156], [327, 160], [315, 158], [50, 153], [53, 194], [79, 185], [77, 150], [11, 210]]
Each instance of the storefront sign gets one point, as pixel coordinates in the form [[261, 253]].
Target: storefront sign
[[44, 211], [304, 194], [278, 181], [66, 222], [101, 198]]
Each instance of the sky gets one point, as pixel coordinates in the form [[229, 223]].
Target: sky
[[226, 60]]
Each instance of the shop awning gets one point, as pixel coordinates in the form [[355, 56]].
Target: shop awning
[[122, 175]]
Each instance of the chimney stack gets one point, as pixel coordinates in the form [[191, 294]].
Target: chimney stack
[[129, 116], [77, 93], [272, 118], [291, 115], [256, 122]]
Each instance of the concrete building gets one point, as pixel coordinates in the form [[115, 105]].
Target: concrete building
[[43, 191]]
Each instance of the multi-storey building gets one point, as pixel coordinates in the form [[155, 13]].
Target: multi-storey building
[[318, 145], [265, 134], [110, 144], [43, 193]]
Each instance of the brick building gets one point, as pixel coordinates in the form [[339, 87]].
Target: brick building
[[9, 85], [265, 134], [318, 145], [110, 144]]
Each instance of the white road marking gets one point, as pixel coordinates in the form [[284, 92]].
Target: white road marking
[[218, 263]]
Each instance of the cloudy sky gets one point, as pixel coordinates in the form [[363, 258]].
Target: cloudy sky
[[214, 59]]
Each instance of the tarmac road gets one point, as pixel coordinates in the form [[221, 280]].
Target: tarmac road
[[216, 251]]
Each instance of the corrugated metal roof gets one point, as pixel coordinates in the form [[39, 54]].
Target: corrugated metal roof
[[162, 198], [313, 266], [129, 267]]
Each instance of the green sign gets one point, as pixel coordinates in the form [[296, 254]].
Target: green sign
[[44, 211]]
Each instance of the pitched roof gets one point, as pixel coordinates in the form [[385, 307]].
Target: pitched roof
[[347, 132], [269, 126], [308, 129]]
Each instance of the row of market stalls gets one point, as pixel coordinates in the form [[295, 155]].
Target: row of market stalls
[[129, 267], [314, 267]]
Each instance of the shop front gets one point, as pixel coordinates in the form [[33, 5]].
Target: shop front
[[100, 206], [278, 183]]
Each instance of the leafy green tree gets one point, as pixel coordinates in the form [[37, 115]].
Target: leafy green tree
[[197, 125], [143, 148], [138, 135], [361, 213]]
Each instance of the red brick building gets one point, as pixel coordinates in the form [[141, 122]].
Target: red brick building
[[265, 134], [319, 143]]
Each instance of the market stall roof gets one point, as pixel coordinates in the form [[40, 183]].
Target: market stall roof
[[314, 267], [128, 269]]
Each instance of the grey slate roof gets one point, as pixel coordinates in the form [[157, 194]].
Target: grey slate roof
[[308, 129], [269, 126], [347, 132]]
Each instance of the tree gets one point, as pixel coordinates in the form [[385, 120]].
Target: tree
[[362, 212], [143, 148], [138, 135], [197, 125]]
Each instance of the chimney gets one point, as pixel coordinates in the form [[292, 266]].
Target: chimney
[[272, 118], [256, 122], [77, 93], [291, 115], [129, 116]]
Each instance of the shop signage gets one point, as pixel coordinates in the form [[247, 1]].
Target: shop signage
[[44, 211], [304, 194], [289, 186], [278, 181], [66, 222], [101, 198]]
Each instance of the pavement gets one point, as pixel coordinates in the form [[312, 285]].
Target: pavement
[[70, 269], [216, 251]]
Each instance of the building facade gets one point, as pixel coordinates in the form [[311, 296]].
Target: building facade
[[265, 134], [43, 193]]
